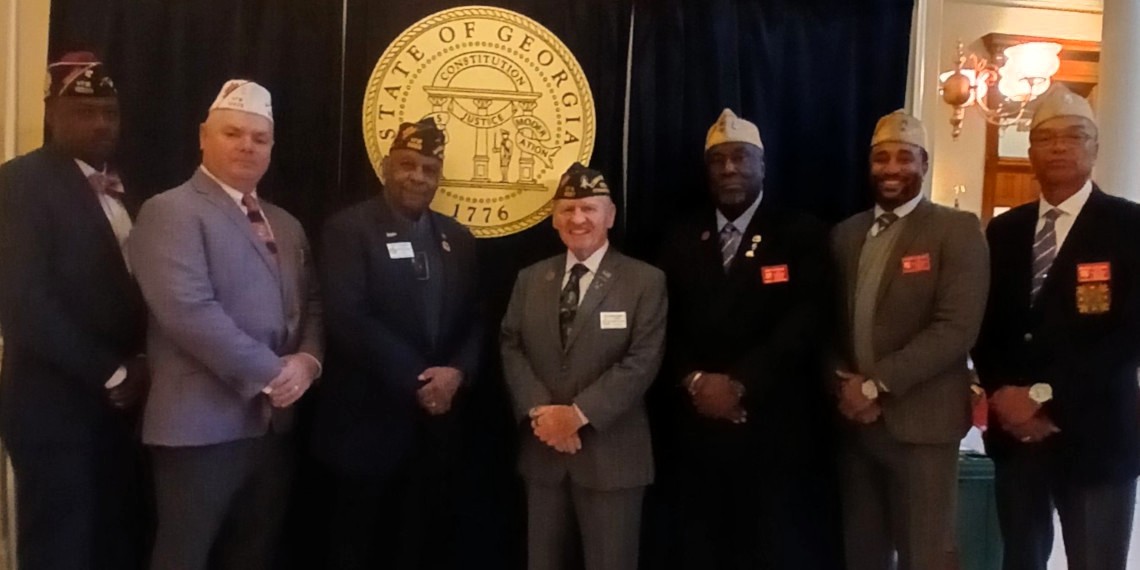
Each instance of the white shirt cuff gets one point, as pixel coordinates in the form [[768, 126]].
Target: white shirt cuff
[[582, 417], [116, 378]]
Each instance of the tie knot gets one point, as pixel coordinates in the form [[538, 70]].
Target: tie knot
[[729, 229], [250, 202], [1053, 214], [579, 270], [885, 220], [108, 184]]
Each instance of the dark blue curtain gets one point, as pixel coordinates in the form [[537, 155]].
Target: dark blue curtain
[[815, 75]]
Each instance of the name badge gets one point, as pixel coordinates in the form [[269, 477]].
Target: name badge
[[774, 274], [916, 263], [401, 250], [1094, 272], [613, 320]]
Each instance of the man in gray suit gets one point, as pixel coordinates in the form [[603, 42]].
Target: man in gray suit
[[915, 276], [234, 341], [582, 339]]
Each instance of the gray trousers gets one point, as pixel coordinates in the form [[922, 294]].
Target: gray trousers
[[221, 506], [607, 523], [898, 497]]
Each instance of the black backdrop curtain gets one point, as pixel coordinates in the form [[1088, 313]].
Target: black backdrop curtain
[[814, 74]]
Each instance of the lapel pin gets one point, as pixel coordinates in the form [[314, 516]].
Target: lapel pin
[[390, 234], [750, 253], [705, 235], [756, 239], [446, 247], [550, 276]]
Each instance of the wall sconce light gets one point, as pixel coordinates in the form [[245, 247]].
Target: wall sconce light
[[1024, 75]]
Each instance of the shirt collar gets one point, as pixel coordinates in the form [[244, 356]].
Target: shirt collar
[[903, 210], [591, 262], [741, 223], [87, 169], [234, 194], [1071, 206]]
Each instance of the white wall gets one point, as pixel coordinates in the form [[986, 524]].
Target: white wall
[[962, 161]]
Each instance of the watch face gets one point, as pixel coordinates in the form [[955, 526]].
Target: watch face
[[1041, 393], [869, 390]]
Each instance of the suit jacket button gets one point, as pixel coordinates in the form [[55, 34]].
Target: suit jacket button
[[1028, 337]]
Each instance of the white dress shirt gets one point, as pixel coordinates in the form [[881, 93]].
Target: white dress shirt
[[902, 211], [1070, 209]]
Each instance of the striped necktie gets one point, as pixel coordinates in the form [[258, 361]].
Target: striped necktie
[[1044, 251], [729, 242], [260, 226], [884, 221]]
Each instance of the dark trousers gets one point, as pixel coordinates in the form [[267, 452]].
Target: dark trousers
[[405, 521], [80, 505], [221, 506], [1096, 520], [748, 509]]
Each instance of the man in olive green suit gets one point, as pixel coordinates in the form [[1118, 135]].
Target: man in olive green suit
[[914, 279]]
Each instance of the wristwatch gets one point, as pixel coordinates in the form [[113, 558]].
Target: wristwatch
[[870, 390], [1040, 393]]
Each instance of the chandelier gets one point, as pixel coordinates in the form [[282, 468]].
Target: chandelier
[[1024, 75]]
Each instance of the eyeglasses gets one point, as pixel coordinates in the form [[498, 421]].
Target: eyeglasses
[[1067, 140]]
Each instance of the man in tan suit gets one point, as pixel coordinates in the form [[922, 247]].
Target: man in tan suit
[[914, 279], [582, 340]]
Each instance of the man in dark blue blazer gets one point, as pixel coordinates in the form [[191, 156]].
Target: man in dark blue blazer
[[1059, 350], [404, 338], [73, 323]]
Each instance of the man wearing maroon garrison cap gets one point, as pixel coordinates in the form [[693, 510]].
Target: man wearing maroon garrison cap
[[73, 323]]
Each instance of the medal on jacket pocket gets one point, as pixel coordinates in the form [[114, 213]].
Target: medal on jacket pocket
[[1093, 298], [1094, 295]]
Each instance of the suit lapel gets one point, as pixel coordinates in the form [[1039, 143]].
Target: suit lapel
[[549, 296], [910, 231], [853, 250], [286, 259], [85, 198], [1067, 255], [214, 194], [603, 281]]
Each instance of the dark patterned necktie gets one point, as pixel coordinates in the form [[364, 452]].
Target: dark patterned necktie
[[729, 243], [1044, 251], [568, 301], [884, 221], [260, 226]]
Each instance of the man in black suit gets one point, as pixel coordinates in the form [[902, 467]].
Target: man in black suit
[[404, 338], [1059, 350], [749, 288], [73, 323]]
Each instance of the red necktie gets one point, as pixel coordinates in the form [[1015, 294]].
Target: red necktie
[[260, 226]]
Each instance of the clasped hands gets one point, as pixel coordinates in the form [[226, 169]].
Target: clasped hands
[[297, 374], [717, 396], [853, 404], [1019, 415], [557, 426], [438, 391]]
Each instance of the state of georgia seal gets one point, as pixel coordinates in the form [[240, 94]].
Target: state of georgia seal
[[511, 99]]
